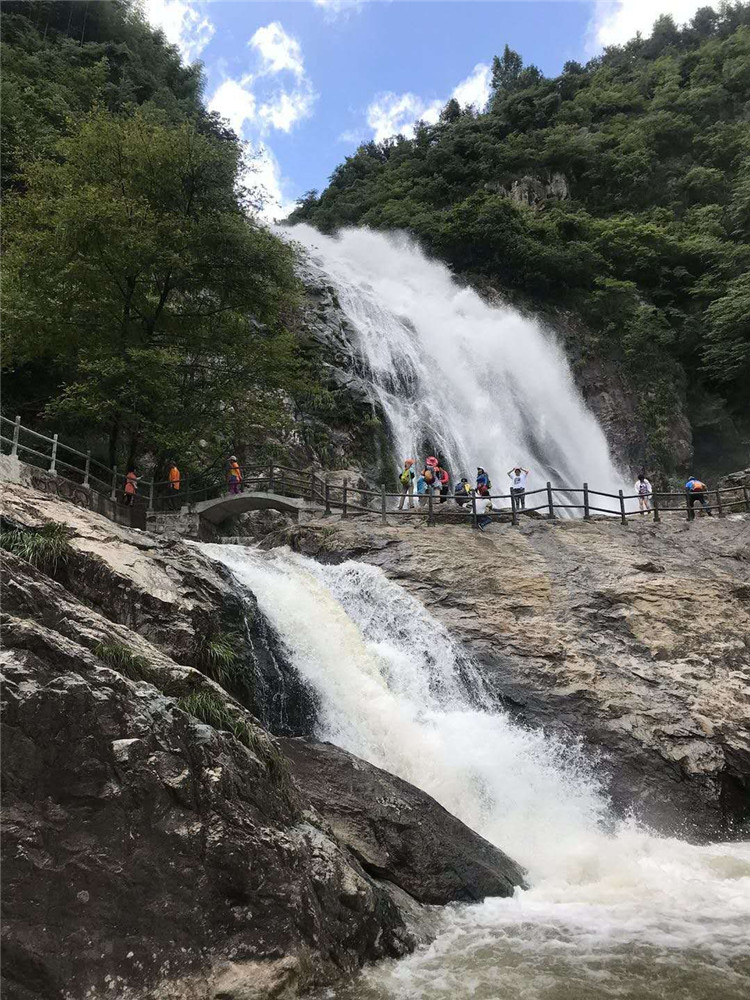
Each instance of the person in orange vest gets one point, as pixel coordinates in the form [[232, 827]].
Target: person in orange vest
[[173, 479], [234, 475], [131, 487], [696, 490]]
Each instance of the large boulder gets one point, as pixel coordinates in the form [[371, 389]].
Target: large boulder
[[397, 832]]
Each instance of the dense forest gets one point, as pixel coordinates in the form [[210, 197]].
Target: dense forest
[[617, 193], [141, 300]]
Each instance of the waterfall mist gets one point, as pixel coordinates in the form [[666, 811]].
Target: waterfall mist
[[474, 383]]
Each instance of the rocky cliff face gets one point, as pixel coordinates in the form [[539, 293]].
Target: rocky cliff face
[[634, 638], [157, 841]]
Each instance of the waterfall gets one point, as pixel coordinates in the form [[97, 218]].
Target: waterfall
[[612, 910], [473, 383]]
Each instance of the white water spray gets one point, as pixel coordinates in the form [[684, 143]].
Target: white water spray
[[612, 911], [476, 384]]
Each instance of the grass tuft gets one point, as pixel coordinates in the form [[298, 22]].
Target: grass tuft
[[46, 547], [220, 656], [120, 658]]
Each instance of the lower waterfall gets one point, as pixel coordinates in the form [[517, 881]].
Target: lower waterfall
[[613, 910]]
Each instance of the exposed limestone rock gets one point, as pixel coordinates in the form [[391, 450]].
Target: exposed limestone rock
[[636, 638], [397, 832]]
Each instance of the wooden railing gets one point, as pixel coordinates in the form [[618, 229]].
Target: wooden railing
[[84, 474]]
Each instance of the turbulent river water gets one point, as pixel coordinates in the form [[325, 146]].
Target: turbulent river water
[[613, 911], [476, 384]]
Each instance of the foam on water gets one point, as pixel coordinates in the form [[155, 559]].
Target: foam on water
[[612, 910]]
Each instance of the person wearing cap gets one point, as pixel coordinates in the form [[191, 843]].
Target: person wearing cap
[[462, 492], [406, 479], [234, 475]]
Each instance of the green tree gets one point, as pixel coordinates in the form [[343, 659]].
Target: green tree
[[132, 273]]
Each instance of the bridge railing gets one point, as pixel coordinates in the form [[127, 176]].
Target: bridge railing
[[87, 475]]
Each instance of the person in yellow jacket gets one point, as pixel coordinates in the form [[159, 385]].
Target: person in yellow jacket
[[173, 485], [234, 475]]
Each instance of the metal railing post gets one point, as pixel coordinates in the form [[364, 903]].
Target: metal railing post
[[513, 511], [430, 516], [344, 497], [655, 503], [622, 509], [151, 494], [53, 463], [474, 523], [113, 495], [270, 478], [550, 504], [16, 433], [382, 502], [586, 510], [746, 495], [312, 486], [719, 508], [328, 498], [87, 469]]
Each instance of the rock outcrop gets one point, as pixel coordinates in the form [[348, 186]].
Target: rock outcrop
[[397, 832], [635, 638], [149, 854]]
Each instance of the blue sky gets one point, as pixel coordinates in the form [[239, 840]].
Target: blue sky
[[305, 81]]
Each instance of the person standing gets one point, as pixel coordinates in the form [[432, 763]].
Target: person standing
[[644, 490], [406, 479], [518, 478], [483, 482], [430, 476], [696, 491], [421, 489], [131, 488], [234, 475], [444, 482], [173, 486]]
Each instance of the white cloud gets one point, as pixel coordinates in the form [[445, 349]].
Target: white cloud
[[338, 8], [235, 102], [613, 23], [277, 50], [184, 24], [390, 114], [393, 114], [286, 108], [265, 175], [475, 89]]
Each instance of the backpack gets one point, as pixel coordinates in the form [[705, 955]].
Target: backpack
[[406, 477], [429, 476]]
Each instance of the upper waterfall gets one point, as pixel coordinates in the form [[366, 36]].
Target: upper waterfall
[[476, 384]]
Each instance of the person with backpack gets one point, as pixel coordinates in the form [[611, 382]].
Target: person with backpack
[[131, 488], [696, 491], [421, 489], [517, 478], [643, 490], [429, 473], [462, 493], [483, 482], [406, 479], [234, 475]]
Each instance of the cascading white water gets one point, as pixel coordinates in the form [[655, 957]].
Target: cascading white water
[[478, 385], [612, 911]]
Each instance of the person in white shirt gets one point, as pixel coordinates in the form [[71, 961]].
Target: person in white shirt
[[517, 478], [644, 491]]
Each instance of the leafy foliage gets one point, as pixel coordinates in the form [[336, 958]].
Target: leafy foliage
[[118, 656], [47, 547], [618, 191], [142, 297]]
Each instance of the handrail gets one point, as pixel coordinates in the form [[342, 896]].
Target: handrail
[[285, 480]]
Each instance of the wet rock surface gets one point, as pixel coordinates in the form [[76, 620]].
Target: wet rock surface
[[148, 855], [397, 832], [634, 638]]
